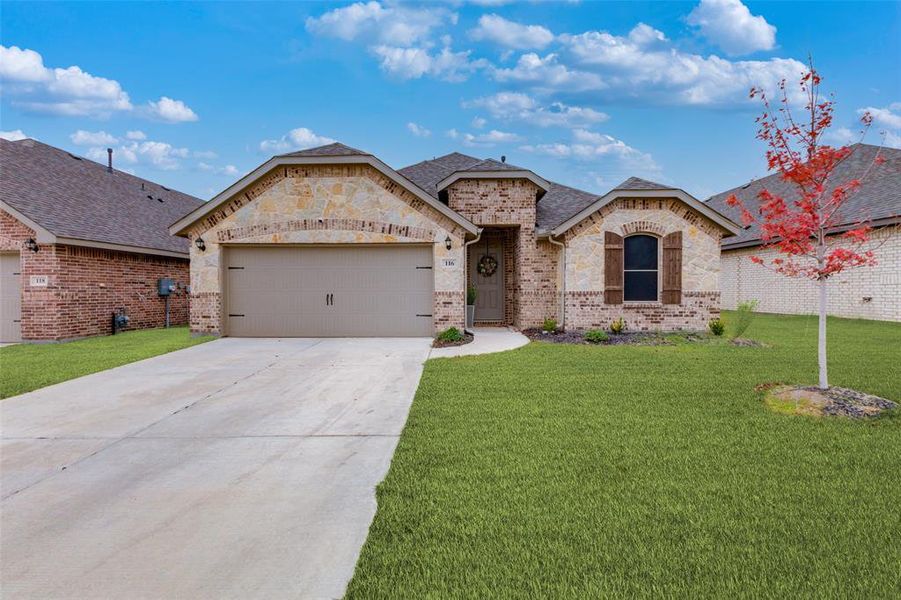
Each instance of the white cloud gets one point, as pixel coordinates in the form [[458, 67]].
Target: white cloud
[[205, 154], [413, 63], [92, 138], [69, 91], [517, 106], [509, 34], [418, 130], [296, 139], [478, 122], [486, 139], [159, 155], [660, 73], [171, 111], [588, 146], [135, 135], [889, 117], [373, 22], [886, 122], [731, 26], [548, 74], [13, 136], [229, 170]]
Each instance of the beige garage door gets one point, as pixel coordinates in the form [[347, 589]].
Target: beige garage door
[[319, 291], [10, 298]]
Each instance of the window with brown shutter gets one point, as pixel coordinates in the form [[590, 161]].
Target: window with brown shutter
[[672, 268], [613, 268]]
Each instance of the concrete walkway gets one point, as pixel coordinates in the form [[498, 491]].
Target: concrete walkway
[[238, 468], [485, 341]]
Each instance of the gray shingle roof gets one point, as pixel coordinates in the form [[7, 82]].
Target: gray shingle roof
[[879, 196], [558, 204], [428, 173], [77, 198], [636, 183], [336, 149]]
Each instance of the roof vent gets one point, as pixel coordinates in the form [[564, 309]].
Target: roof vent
[[73, 156], [109, 164], [503, 159]]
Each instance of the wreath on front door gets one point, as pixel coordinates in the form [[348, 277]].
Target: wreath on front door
[[487, 266]]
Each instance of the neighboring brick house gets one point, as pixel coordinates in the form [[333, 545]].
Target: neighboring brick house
[[80, 241], [864, 293], [331, 241]]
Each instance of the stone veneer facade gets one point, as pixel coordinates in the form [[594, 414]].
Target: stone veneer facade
[[325, 204], [863, 293], [86, 285], [356, 204], [584, 305]]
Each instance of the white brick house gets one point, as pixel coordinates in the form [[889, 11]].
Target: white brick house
[[864, 293]]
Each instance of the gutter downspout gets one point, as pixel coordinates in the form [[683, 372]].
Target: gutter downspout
[[562, 245], [466, 246]]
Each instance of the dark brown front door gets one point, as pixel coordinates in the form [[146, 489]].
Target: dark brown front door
[[490, 298]]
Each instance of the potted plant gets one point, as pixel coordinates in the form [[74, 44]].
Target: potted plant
[[471, 294]]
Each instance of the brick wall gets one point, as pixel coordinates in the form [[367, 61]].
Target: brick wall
[[85, 285], [864, 293], [511, 202], [586, 310]]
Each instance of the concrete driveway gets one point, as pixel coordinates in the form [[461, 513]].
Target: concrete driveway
[[237, 468]]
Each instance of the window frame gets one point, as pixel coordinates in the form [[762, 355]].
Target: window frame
[[657, 269]]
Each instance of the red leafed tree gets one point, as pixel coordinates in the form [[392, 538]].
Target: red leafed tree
[[798, 226]]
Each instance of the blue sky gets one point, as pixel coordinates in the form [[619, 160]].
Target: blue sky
[[585, 93]]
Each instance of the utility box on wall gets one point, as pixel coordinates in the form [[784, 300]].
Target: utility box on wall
[[165, 286]]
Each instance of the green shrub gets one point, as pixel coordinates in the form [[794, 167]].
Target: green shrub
[[550, 325], [744, 314], [471, 294], [717, 326], [451, 334], [596, 336], [618, 326]]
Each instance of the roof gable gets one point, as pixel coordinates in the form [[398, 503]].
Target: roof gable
[[73, 198], [319, 157], [696, 205]]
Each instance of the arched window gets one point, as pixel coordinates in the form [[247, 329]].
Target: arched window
[[640, 265]]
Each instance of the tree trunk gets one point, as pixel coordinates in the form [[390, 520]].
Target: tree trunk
[[821, 354]]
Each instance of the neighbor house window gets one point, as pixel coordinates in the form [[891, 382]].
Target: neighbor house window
[[640, 268]]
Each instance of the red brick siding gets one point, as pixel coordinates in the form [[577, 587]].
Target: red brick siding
[[511, 202], [86, 285], [448, 310], [586, 310]]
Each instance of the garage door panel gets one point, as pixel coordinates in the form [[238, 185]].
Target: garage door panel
[[372, 291]]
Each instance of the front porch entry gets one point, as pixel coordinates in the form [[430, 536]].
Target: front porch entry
[[491, 273]]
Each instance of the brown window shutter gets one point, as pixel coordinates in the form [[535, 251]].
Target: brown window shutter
[[613, 268], [672, 268]]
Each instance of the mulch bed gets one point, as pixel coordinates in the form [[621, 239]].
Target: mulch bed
[[467, 337], [833, 402], [634, 338]]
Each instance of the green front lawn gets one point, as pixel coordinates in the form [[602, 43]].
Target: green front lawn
[[579, 471], [26, 367]]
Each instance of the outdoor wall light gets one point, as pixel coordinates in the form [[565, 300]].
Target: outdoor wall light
[[32, 245], [201, 245], [448, 243]]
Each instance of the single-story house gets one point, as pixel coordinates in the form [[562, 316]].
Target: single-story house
[[331, 241], [864, 293], [80, 241]]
